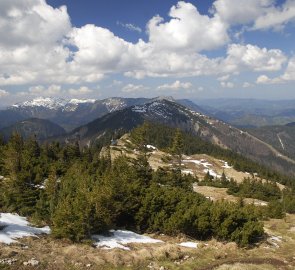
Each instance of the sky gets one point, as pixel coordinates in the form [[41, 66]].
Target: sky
[[146, 48]]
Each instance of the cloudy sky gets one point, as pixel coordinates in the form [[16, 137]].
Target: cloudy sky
[[190, 49]]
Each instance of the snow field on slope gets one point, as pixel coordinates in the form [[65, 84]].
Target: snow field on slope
[[120, 238], [14, 227]]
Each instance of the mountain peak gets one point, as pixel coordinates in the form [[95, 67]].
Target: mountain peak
[[169, 98], [48, 102], [51, 102]]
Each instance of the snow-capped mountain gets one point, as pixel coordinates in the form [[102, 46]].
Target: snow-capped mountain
[[53, 103], [69, 113]]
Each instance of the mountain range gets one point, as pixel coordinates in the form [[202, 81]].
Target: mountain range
[[40, 128], [250, 112], [87, 121]]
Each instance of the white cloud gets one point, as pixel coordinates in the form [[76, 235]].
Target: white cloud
[[83, 90], [287, 76], [277, 17], [251, 57], [28, 22], [242, 11], [227, 84], [187, 30], [247, 85], [3, 93], [263, 79], [130, 26], [130, 88], [223, 78], [51, 90], [175, 86], [173, 48], [30, 45], [115, 83], [257, 14]]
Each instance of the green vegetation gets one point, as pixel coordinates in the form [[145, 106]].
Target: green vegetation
[[79, 193], [254, 188], [163, 136]]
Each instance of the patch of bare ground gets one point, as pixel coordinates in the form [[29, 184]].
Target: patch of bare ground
[[158, 159], [217, 194], [60, 254], [248, 264]]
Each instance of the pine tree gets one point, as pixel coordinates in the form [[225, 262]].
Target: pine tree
[[13, 156], [140, 138], [177, 147]]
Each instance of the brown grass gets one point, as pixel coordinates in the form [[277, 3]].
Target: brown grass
[[217, 194]]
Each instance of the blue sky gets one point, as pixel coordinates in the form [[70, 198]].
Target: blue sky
[[187, 49]]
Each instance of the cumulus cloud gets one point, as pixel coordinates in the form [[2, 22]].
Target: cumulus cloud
[[247, 85], [242, 11], [63, 54], [51, 90], [287, 76], [257, 14], [276, 17], [263, 79], [83, 90], [30, 45], [227, 84], [3, 93], [175, 86], [130, 88], [187, 30], [251, 57], [223, 78]]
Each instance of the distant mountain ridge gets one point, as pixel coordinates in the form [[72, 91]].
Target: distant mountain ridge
[[71, 113], [67, 113], [52, 103], [250, 112], [40, 128], [176, 115], [93, 119]]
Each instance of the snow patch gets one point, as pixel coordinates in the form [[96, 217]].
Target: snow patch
[[187, 171], [212, 173], [274, 240], [226, 166], [16, 227], [120, 238], [139, 109], [79, 101], [189, 244], [281, 142], [148, 146]]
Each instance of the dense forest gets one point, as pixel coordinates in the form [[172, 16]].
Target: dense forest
[[79, 192]]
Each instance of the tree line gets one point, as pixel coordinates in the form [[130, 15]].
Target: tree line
[[79, 192]]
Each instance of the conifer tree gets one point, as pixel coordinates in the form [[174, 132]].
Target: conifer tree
[[13, 155], [177, 147], [140, 138]]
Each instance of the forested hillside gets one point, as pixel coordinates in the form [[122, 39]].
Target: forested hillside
[[78, 192]]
